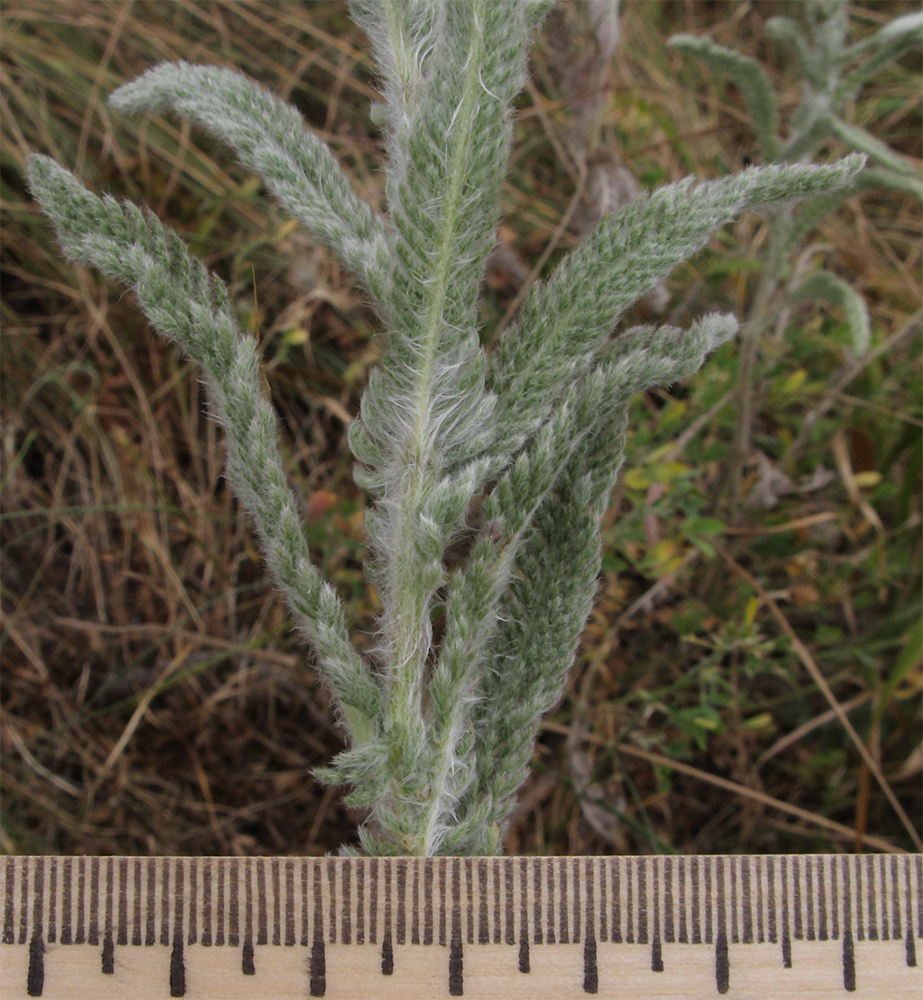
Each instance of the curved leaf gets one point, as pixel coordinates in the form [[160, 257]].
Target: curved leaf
[[826, 286], [751, 80]]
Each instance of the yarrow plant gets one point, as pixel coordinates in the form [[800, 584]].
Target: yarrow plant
[[831, 72], [513, 452]]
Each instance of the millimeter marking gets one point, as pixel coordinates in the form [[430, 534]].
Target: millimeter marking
[[525, 905]]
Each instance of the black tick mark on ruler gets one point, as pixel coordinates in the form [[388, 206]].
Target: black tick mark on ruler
[[35, 980], [456, 979], [387, 957], [177, 970], [318, 965]]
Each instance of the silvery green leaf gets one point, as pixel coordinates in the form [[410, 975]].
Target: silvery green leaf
[[191, 307], [881, 177], [865, 142], [881, 49], [751, 80], [565, 321], [270, 139], [784, 29], [826, 287]]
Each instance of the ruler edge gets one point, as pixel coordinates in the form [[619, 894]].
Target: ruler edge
[[722, 909], [793, 870]]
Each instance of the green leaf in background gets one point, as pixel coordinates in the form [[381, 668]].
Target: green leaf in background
[[827, 287], [750, 79]]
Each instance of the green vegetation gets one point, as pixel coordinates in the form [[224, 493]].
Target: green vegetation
[[130, 727]]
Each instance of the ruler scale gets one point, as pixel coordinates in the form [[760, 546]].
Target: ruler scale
[[795, 925]]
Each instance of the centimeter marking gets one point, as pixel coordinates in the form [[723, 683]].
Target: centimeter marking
[[260, 906]]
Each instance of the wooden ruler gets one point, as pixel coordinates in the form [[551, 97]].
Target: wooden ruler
[[766, 927]]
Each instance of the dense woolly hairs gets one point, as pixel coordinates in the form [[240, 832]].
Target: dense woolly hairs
[[565, 321], [403, 37], [269, 137], [444, 209], [190, 306], [593, 408], [515, 451], [427, 411], [539, 622]]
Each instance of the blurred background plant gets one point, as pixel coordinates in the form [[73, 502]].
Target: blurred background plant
[[832, 72], [154, 700]]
